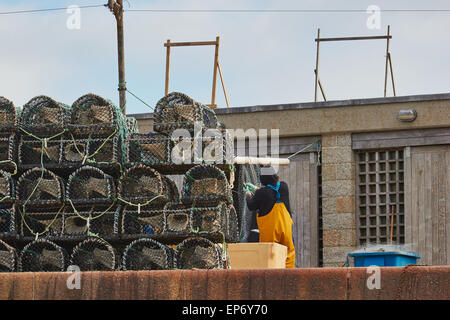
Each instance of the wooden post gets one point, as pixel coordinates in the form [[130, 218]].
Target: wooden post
[[216, 61], [392, 75], [166, 90], [223, 84], [387, 61], [317, 65]]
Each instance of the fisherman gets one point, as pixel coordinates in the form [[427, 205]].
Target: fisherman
[[273, 212]]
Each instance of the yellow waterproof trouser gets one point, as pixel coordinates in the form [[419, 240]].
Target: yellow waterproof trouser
[[276, 226]]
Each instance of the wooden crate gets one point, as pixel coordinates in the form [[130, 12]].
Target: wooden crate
[[259, 255]]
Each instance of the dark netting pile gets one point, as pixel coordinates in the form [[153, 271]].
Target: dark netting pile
[[8, 115], [150, 148], [43, 116], [141, 185], [93, 114], [147, 254], [43, 222], [8, 151], [8, 257], [39, 187], [94, 254], [199, 253], [204, 184], [178, 111], [7, 189], [42, 255], [90, 185], [147, 221], [89, 220], [7, 221]]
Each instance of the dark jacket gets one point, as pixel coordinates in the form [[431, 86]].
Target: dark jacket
[[264, 199]]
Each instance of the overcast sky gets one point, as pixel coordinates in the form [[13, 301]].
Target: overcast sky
[[266, 58]]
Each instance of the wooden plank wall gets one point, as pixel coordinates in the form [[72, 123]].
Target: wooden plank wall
[[301, 177], [427, 202]]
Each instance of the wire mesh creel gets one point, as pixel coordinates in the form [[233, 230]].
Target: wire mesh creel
[[92, 114], [199, 253], [147, 254], [151, 148], [94, 254], [145, 222], [90, 185], [43, 116], [8, 115], [39, 187], [178, 111], [7, 221], [42, 255], [94, 219], [204, 184], [48, 222], [8, 151], [8, 257], [32, 152], [7, 189]]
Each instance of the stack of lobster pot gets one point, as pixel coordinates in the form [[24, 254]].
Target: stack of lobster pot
[[8, 168]]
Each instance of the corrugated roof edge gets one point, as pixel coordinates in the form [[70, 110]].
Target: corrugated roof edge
[[320, 104]]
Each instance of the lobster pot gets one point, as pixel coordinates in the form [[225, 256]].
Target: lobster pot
[[8, 151], [7, 222], [43, 116], [89, 185], [177, 218], [94, 254], [33, 151], [147, 221], [147, 254], [49, 223], [42, 255], [232, 230], [91, 114], [210, 219], [95, 149], [151, 148], [8, 257], [96, 219], [209, 146], [199, 253], [7, 189], [206, 184], [178, 111], [140, 184], [170, 189], [132, 125], [8, 115], [39, 187]]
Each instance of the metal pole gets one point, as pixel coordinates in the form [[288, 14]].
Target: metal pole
[[387, 61], [317, 66], [117, 8], [166, 91]]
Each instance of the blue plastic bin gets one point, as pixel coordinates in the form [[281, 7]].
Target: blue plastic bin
[[384, 259]]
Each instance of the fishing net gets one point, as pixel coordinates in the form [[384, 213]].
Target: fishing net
[[147, 221], [207, 146], [146, 254], [40, 187], [94, 254], [8, 257], [8, 151], [177, 218], [205, 184], [198, 253], [7, 221], [94, 149], [96, 219], [34, 153], [93, 114], [7, 189], [42, 255], [142, 185], [8, 115], [89, 185], [177, 110], [246, 218], [132, 125], [232, 231], [48, 222], [151, 148], [43, 116]]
